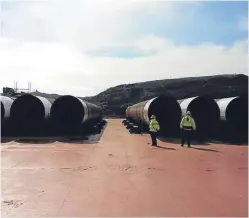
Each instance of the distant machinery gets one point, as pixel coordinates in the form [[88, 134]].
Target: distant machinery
[[8, 91]]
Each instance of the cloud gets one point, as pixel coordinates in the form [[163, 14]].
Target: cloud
[[58, 68], [85, 24], [77, 47]]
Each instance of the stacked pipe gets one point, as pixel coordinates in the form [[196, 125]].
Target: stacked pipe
[[165, 108], [6, 103], [69, 112], [30, 114], [234, 117], [205, 112], [212, 116]]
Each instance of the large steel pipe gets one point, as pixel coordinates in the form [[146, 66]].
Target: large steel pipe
[[165, 108], [29, 109], [70, 111], [127, 112], [204, 110], [6, 103], [234, 111]]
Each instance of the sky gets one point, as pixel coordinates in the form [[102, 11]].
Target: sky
[[82, 47]]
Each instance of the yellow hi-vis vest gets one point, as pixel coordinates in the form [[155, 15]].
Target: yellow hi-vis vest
[[188, 121], [154, 125]]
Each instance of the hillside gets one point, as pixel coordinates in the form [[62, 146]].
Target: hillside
[[116, 99]]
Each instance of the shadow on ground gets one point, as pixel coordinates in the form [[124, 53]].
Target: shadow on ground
[[51, 138], [205, 143], [88, 139], [228, 142], [178, 141], [84, 139], [204, 149], [35, 140], [7, 139], [173, 149]]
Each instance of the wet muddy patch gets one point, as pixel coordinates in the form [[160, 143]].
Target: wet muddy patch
[[155, 169], [123, 168], [12, 203], [87, 168]]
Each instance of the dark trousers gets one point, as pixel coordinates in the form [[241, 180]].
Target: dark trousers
[[153, 136], [186, 136]]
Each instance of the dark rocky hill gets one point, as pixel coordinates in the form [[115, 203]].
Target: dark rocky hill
[[116, 99]]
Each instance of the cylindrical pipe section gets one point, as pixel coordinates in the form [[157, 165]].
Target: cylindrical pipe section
[[71, 111], [205, 112], [165, 108], [127, 112], [29, 109], [234, 111], [6, 103]]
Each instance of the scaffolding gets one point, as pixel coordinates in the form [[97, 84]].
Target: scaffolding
[[16, 91], [21, 90]]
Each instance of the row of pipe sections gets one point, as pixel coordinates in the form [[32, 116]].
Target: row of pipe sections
[[65, 112], [209, 114]]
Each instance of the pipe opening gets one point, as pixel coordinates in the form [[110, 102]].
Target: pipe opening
[[67, 111], [27, 110], [237, 112], [167, 112], [206, 113], [2, 112]]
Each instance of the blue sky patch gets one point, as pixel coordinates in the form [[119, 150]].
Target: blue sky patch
[[212, 22], [119, 52]]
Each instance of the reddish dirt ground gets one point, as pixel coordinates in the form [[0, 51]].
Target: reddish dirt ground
[[123, 175]]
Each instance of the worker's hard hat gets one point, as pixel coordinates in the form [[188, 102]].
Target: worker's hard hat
[[188, 113], [153, 117]]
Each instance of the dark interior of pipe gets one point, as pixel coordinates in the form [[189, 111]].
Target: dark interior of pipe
[[27, 109], [67, 111], [2, 112], [167, 111], [206, 113], [237, 112]]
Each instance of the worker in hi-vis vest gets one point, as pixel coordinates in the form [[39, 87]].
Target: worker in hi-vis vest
[[187, 126], [154, 128]]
